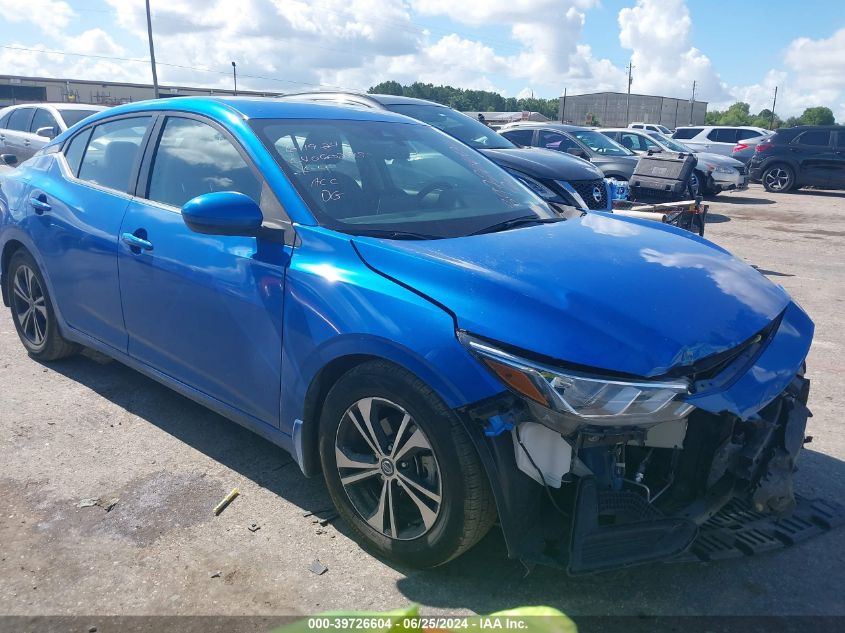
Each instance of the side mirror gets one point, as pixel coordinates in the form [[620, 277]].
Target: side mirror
[[9, 159], [223, 213], [577, 151], [46, 132]]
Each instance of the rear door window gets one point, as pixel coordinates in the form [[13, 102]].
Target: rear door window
[[19, 121], [194, 158], [687, 133], [113, 151], [816, 138], [5, 119], [520, 137], [75, 150], [723, 135]]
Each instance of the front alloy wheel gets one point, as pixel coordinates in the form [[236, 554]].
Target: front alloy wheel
[[388, 469], [400, 467]]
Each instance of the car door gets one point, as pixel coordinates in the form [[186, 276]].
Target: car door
[[76, 218], [17, 136], [814, 154], [4, 120], [205, 310]]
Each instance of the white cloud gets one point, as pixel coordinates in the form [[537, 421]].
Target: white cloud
[[658, 32], [51, 15]]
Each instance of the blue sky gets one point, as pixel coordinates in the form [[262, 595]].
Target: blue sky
[[732, 49]]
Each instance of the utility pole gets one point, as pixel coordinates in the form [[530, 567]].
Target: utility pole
[[692, 102], [235, 76], [774, 103], [152, 50], [563, 108], [628, 98]]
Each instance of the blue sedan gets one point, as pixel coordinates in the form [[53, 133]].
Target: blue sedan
[[411, 322]]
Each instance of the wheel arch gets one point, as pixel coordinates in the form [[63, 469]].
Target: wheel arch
[[9, 249]]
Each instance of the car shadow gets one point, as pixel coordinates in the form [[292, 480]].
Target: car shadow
[[217, 437], [825, 193], [737, 199], [484, 579], [717, 218]]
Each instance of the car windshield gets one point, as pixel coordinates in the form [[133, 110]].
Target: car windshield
[[72, 117], [600, 144], [664, 130], [395, 180], [670, 143], [465, 129]]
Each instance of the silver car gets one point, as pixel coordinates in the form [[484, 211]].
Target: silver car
[[716, 139], [24, 129], [714, 172]]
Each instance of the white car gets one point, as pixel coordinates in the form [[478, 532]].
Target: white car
[[650, 127], [713, 173], [24, 129], [716, 139]]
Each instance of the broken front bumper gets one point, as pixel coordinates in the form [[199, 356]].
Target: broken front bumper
[[732, 496]]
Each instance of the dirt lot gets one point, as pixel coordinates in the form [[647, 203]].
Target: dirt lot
[[88, 427]]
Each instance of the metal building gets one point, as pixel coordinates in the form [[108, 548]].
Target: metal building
[[609, 108], [14, 90]]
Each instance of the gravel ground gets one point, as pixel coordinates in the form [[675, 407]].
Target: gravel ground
[[89, 427]]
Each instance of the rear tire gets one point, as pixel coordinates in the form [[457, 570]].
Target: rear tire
[[401, 469], [778, 178], [32, 310]]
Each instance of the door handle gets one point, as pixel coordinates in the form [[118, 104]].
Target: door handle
[[137, 244], [40, 204], [26, 142]]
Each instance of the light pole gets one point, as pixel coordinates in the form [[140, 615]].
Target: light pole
[[774, 103], [628, 98], [152, 49], [235, 76]]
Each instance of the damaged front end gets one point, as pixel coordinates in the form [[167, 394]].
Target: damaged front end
[[596, 472]]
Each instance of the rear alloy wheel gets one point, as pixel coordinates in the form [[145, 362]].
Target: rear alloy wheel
[[778, 178], [32, 311], [401, 469]]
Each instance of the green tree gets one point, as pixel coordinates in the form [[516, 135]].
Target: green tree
[[387, 88], [820, 115], [737, 114]]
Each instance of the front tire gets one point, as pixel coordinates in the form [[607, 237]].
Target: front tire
[[778, 178], [32, 310], [401, 469]]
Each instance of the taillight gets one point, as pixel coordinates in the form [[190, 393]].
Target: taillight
[[762, 147], [740, 146]]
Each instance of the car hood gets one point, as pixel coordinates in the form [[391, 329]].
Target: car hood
[[599, 159], [619, 295], [544, 163], [717, 159]]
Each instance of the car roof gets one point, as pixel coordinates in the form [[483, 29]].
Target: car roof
[[255, 108], [566, 127], [57, 106], [378, 99]]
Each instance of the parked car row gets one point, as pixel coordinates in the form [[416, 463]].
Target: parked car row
[[447, 349], [25, 129]]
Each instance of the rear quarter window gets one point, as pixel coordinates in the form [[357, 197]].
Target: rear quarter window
[[816, 138]]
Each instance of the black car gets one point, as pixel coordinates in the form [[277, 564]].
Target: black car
[[803, 155], [555, 177], [614, 160]]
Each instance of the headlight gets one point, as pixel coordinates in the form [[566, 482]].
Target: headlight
[[534, 185], [588, 399], [719, 169]]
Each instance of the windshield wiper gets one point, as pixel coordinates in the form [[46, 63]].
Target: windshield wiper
[[393, 235], [515, 222]]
